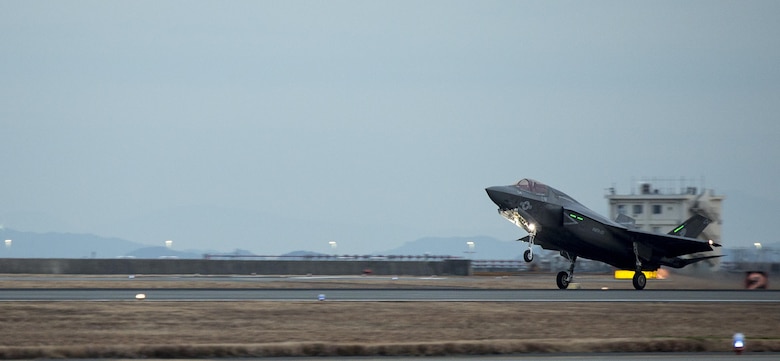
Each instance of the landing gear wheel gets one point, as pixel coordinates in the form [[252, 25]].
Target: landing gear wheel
[[528, 256], [640, 280], [562, 280]]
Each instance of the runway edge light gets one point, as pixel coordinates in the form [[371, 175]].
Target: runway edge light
[[739, 343]]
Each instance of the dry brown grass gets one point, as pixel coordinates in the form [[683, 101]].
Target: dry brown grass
[[217, 329]]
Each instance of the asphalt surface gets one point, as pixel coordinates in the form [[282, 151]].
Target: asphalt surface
[[593, 356], [391, 295]]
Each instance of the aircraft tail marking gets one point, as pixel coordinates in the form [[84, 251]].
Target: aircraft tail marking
[[692, 227]]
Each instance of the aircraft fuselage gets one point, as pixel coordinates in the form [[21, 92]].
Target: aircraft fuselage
[[560, 223]]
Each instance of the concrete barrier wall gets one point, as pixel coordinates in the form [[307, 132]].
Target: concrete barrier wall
[[229, 267]]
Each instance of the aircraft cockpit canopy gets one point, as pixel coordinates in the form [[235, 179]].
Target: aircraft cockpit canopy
[[532, 186]]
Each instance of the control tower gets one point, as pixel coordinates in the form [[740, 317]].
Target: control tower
[[660, 204]]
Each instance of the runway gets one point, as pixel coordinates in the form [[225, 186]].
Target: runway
[[391, 295], [585, 357]]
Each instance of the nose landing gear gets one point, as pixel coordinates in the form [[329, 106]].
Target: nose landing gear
[[513, 215], [528, 255]]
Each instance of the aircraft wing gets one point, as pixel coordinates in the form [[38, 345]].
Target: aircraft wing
[[669, 245]]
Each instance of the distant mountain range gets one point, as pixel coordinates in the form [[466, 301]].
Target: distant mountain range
[[69, 245], [19, 244]]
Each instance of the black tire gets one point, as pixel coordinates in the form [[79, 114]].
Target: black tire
[[528, 256], [563, 280], [639, 280]]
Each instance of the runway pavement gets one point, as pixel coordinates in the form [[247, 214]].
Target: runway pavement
[[585, 357], [391, 295], [597, 288]]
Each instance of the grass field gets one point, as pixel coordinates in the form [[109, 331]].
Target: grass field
[[143, 329]]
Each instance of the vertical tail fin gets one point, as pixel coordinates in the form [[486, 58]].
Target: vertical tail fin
[[626, 221], [692, 227]]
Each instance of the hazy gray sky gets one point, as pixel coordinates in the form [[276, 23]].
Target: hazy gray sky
[[281, 125]]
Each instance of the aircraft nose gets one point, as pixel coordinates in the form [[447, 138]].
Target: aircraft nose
[[500, 195]]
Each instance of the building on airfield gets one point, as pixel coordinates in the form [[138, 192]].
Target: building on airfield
[[659, 204]]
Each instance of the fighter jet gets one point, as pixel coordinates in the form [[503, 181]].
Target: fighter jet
[[555, 221]]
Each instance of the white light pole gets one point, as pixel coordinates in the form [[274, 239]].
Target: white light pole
[[471, 246], [8, 243], [168, 244], [759, 253], [333, 246]]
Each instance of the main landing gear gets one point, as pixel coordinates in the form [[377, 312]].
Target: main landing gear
[[564, 277], [639, 280]]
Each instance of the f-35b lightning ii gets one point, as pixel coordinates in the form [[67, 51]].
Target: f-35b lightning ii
[[557, 222]]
